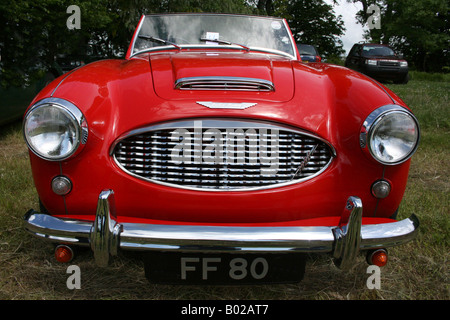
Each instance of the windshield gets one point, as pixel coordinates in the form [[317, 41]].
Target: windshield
[[306, 49], [377, 51], [206, 30]]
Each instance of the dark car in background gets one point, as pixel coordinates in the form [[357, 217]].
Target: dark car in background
[[308, 53], [378, 61]]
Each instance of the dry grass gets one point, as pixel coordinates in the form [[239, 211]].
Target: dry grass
[[418, 270]]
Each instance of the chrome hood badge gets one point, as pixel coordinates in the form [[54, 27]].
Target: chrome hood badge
[[226, 105]]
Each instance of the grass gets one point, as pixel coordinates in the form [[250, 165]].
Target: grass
[[417, 270], [426, 76]]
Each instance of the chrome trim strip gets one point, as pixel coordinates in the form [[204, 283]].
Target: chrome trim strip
[[221, 124], [217, 123], [294, 49], [343, 241], [67, 74], [214, 49], [382, 88], [141, 22], [226, 105], [225, 83]]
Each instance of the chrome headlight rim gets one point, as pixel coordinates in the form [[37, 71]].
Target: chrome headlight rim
[[72, 112], [372, 122]]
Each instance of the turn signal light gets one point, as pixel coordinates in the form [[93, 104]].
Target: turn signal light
[[63, 254], [61, 185], [378, 258], [381, 189]]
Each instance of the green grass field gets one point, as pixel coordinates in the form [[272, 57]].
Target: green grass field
[[417, 270]]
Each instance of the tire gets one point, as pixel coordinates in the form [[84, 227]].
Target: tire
[[404, 80]]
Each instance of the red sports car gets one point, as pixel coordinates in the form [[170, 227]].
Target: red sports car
[[220, 156]]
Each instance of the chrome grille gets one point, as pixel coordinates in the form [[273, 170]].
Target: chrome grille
[[389, 63], [222, 155], [224, 83]]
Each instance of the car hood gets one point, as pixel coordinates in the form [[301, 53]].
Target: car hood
[[119, 96], [169, 69]]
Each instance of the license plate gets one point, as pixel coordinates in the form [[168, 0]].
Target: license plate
[[201, 268]]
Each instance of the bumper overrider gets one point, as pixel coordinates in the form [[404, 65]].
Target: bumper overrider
[[105, 236]]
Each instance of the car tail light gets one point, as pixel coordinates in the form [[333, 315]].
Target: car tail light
[[318, 59]]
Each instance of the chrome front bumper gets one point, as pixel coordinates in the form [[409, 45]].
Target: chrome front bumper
[[105, 236]]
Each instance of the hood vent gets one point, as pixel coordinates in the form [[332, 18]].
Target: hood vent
[[224, 83]]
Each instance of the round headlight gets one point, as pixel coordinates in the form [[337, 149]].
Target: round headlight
[[393, 136], [52, 129]]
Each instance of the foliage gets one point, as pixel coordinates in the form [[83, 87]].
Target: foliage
[[431, 77], [418, 29], [33, 33], [313, 22]]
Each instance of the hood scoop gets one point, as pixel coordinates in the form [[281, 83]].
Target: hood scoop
[[224, 84], [214, 76]]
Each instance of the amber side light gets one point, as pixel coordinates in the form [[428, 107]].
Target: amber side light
[[378, 258], [63, 254]]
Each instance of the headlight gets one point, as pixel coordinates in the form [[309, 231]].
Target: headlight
[[371, 62], [391, 134], [403, 63], [54, 129]]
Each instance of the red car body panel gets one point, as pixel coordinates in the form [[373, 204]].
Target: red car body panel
[[102, 142], [119, 96]]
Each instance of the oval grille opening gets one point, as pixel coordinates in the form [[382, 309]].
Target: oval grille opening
[[222, 155]]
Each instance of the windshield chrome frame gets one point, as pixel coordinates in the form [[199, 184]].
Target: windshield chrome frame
[[208, 47]]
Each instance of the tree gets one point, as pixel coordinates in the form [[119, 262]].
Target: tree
[[34, 32], [314, 22], [420, 30], [311, 21]]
